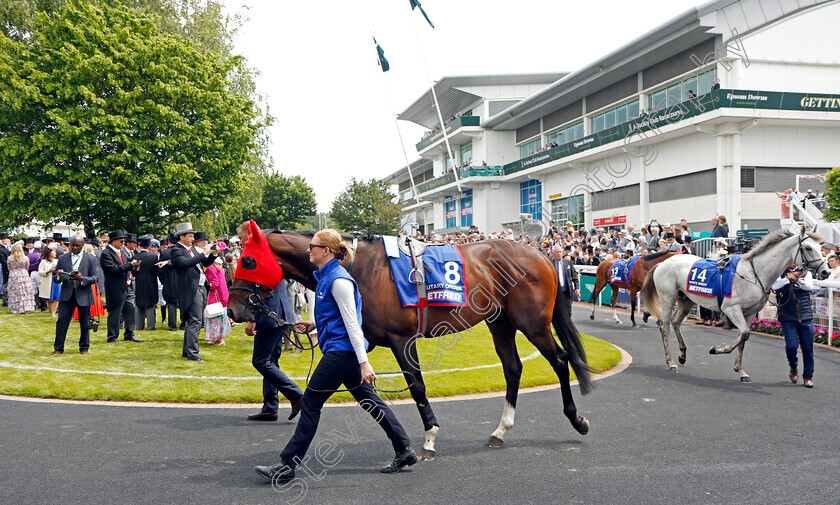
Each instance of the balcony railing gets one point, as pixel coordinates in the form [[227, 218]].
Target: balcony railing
[[450, 127], [463, 173]]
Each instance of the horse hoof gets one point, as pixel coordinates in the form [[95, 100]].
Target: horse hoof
[[745, 378], [673, 368], [645, 317], [427, 455], [591, 317], [494, 441], [713, 350], [681, 359], [618, 322], [634, 324], [583, 429]]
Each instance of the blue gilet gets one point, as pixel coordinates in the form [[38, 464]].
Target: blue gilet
[[332, 334]]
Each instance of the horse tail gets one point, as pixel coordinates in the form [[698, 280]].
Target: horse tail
[[650, 295], [570, 340]]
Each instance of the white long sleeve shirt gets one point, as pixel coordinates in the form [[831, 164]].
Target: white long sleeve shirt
[[344, 293], [805, 283]]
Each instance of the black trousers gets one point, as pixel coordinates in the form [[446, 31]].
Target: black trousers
[[335, 369], [65, 315], [268, 345]]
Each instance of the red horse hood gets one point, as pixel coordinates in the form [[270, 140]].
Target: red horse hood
[[257, 262]]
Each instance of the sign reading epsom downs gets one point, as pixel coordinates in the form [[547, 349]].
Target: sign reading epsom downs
[[717, 99]]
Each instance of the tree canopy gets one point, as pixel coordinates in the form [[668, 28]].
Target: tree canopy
[[367, 207], [285, 202], [832, 194], [107, 121]]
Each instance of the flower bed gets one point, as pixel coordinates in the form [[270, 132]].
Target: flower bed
[[774, 327]]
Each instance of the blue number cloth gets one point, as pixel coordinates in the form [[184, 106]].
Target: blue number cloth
[[445, 284], [706, 279]]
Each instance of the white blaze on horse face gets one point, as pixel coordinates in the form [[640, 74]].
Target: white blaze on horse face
[[506, 423]]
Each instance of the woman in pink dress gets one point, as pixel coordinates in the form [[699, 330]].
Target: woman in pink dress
[[215, 328], [21, 295]]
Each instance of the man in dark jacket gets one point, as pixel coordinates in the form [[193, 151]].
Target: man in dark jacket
[[76, 292], [793, 299], [169, 278], [567, 277], [192, 293], [116, 269], [5, 251], [146, 291], [718, 230]]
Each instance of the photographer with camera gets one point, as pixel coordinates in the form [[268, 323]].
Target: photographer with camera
[[76, 271]]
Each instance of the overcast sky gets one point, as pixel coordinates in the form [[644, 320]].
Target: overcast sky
[[334, 107]]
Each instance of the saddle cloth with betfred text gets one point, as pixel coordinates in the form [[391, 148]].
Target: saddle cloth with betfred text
[[706, 279], [444, 276], [621, 270]]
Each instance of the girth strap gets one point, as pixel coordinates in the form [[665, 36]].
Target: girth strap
[[419, 280]]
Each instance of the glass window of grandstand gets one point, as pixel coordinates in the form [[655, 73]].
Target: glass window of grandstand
[[466, 153], [447, 163], [615, 116], [567, 134], [466, 208], [450, 212], [529, 148], [530, 198], [678, 92], [568, 209]]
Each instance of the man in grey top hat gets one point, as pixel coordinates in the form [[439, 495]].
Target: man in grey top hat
[[117, 269], [192, 294]]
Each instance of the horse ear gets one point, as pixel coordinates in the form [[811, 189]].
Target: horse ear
[[815, 228], [802, 230], [254, 231]]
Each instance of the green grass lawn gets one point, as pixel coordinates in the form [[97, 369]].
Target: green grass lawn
[[155, 371]]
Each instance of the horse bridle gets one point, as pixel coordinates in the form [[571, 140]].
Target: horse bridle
[[807, 263], [799, 252]]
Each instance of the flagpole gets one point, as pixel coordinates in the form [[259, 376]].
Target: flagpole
[[437, 106], [397, 126]]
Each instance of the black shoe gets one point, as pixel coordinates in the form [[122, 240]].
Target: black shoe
[[196, 359], [718, 325], [263, 416], [281, 472], [401, 460], [113, 341], [295, 408], [94, 324], [132, 339]]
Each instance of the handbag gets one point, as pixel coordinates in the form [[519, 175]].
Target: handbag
[[214, 310]]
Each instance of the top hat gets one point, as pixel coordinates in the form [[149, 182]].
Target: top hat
[[827, 245], [4, 235], [669, 234], [116, 235], [200, 235], [30, 240], [687, 238], [58, 236], [183, 228], [91, 241], [144, 242], [131, 237]]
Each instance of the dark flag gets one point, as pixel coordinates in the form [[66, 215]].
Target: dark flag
[[415, 3], [382, 61]]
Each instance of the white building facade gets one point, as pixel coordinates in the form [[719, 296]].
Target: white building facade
[[641, 133]]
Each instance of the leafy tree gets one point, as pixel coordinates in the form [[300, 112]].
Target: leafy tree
[[367, 207], [109, 122], [832, 194], [285, 202], [319, 221]]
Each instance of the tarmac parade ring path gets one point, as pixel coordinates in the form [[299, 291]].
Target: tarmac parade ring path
[[699, 436]]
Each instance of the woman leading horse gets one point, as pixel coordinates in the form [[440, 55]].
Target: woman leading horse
[[511, 287]]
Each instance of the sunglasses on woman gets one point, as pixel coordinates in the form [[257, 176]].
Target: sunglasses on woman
[[313, 246]]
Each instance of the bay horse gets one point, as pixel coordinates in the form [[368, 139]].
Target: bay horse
[[666, 286], [634, 283], [510, 286]]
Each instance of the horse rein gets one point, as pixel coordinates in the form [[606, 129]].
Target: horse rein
[[766, 291], [259, 305]]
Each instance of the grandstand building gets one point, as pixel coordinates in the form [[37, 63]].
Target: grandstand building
[[710, 113]]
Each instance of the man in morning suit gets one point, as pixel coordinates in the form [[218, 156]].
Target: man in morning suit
[[567, 277], [192, 293], [169, 278], [145, 285], [76, 292], [5, 251], [128, 318], [116, 269]]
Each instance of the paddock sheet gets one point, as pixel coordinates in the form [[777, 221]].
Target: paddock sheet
[[706, 279], [445, 284], [621, 270]]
